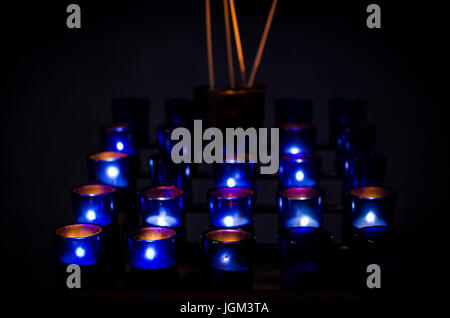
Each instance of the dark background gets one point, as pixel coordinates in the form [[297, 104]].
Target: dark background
[[57, 85]]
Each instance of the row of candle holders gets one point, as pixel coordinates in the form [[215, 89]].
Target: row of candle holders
[[154, 248]]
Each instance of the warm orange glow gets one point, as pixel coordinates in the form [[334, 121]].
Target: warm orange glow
[[107, 156], [153, 234], [296, 126], [93, 189], [116, 127], [241, 91], [78, 230], [231, 193], [300, 193], [163, 192], [228, 236], [371, 192]]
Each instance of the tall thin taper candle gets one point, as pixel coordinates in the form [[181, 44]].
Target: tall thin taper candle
[[209, 44], [262, 43], [238, 42]]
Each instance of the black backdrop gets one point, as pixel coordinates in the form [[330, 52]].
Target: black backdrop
[[57, 85]]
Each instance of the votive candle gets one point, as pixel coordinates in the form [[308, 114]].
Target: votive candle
[[228, 249], [94, 203], [370, 206], [300, 207], [297, 138], [79, 244], [231, 207], [152, 248], [162, 206], [111, 168], [118, 138], [299, 170]]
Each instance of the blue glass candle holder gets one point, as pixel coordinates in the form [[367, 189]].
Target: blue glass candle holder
[[293, 110], [135, 112], [305, 252], [163, 134], [297, 138], [370, 206], [111, 168], [162, 206], [79, 244], [364, 170], [165, 143], [353, 141], [228, 250], [118, 138], [300, 170], [383, 246], [164, 172], [231, 207], [300, 207], [152, 248], [234, 174], [94, 203], [343, 113]]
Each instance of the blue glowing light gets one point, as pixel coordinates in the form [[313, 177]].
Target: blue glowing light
[[294, 150], [150, 253], [231, 182], [225, 259], [80, 252], [162, 220], [90, 215], [112, 172], [370, 217], [299, 176], [187, 171], [304, 221], [228, 221], [119, 146]]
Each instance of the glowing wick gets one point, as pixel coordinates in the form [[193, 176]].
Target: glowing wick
[[112, 172], [90, 215], [161, 220], [304, 221], [370, 217], [294, 150], [225, 259], [231, 183], [228, 221], [80, 252], [150, 253], [119, 146], [299, 175]]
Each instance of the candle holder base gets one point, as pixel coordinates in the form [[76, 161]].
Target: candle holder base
[[165, 279], [230, 280]]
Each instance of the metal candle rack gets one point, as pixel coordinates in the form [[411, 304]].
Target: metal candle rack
[[341, 269]]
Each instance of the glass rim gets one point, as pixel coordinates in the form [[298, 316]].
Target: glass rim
[[227, 236], [93, 189], [296, 126], [161, 193], [371, 192], [229, 193], [107, 156], [299, 193], [116, 127], [90, 230], [152, 234]]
